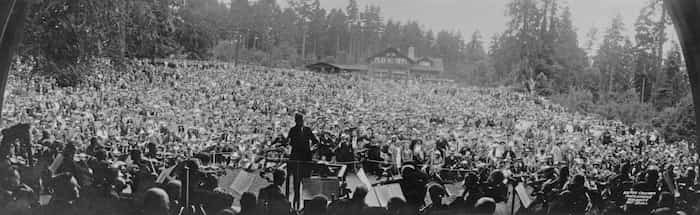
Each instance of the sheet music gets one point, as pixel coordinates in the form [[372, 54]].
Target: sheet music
[[386, 192], [56, 163], [524, 195], [242, 182], [454, 189], [314, 187], [363, 177], [163, 175]]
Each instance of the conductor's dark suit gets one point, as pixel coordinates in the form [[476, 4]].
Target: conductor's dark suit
[[300, 138]]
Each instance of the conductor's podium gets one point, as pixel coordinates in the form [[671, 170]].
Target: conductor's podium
[[326, 180], [321, 186]]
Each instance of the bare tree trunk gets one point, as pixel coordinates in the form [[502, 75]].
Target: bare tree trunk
[[543, 30], [610, 80], [122, 41], [350, 45], [524, 58], [660, 46], [255, 43], [315, 51], [643, 92], [238, 48], [662, 38], [122, 30], [303, 43], [552, 16]]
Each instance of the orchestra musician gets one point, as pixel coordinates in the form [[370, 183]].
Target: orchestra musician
[[345, 151], [406, 154], [437, 161], [6, 153], [152, 152], [299, 139], [143, 171], [15, 196], [104, 175], [94, 146], [418, 154], [326, 147]]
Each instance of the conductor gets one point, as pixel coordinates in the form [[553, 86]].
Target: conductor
[[299, 139]]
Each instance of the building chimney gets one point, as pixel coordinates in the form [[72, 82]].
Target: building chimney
[[412, 53]]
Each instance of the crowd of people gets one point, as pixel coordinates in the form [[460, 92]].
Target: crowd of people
[[100, 147]]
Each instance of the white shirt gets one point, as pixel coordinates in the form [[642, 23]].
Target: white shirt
[[556, 154]]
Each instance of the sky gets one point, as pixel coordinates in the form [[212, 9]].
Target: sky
[[488, 16]]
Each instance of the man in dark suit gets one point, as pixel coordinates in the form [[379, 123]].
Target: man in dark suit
[[299, 138]]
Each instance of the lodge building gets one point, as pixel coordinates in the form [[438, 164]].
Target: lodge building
[[389, 63]]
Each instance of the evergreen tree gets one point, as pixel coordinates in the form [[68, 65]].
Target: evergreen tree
[[475, 49], [673, 83], [610, 54]]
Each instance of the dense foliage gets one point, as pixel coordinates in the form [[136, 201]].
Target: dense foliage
[[63, 32], [615, 76]]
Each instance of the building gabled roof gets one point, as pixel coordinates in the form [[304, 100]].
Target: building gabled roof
[[338, 66], [394, 50]]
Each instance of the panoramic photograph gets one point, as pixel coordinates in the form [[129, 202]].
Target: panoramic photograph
[[349, 107]]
